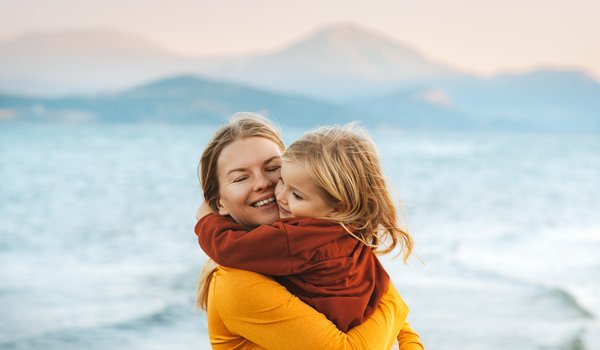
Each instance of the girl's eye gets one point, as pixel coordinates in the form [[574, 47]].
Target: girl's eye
[[296, 196]]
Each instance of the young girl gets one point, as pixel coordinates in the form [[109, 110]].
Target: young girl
[[338, 210]]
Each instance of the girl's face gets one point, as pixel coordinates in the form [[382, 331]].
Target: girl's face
[[298, 195], [248, 170]]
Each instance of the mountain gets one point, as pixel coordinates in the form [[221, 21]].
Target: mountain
[[181, 99], [337, 62], [340, 62], [541, 100], [414, 108], [545, 99], [342, 71], [86, 62]]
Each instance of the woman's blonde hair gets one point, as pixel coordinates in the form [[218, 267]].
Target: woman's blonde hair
[[344, 164], [241, 125]]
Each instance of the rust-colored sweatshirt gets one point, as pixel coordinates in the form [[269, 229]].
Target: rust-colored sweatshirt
[[315, 259]]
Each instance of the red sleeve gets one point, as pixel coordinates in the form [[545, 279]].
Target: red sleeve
[[264, 249], [283, 248]]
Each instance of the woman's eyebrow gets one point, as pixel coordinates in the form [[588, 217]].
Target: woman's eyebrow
[[235, 170], [246, 169], [270, 159]]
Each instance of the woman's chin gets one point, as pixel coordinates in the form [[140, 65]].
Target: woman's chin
[[267, 214]]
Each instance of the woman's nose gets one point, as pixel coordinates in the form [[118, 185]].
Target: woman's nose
[[262, 182]]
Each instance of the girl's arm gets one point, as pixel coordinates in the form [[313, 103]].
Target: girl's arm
[[274, 249], [203, 209], [262, 311]]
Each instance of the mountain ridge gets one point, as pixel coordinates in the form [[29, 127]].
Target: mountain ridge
[[369, 59], [178, 99], [341, 70], [193, 99]]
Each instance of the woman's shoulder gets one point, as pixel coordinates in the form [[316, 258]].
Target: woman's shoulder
[[392, 298], [237, 276], [239, 289]]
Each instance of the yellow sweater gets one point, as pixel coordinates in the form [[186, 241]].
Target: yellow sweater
[[247, 310]]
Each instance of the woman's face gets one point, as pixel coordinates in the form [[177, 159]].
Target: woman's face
[[248, 170]]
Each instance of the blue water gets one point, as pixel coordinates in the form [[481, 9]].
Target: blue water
[[97, 249]]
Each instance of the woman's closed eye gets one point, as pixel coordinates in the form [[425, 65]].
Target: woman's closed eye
[[273, 168], [240, 178]]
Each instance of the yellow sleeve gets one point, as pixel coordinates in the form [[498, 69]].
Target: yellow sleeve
[[264, 313], [408, 339]]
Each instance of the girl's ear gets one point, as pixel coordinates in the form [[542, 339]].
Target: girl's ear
[[222, 210], [338, 209]]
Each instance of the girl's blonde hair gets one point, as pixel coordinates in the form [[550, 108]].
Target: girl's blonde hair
[[241, 125], [344, 164]]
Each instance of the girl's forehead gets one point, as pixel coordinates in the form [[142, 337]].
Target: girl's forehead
[[294, 171]]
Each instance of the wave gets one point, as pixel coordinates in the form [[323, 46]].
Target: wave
[[571, 299], [103, 336], [567, 296], [169, 315]]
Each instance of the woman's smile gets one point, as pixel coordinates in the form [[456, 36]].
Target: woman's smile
[[264, 202]]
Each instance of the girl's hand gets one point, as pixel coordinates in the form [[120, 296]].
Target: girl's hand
[[203, 209]]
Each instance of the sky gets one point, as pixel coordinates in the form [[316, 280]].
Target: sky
[[484, 37]]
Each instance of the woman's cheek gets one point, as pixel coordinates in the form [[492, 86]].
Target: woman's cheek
[[274, 177]]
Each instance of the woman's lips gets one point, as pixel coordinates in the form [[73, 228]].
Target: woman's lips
[[264, 202], [269, 205]]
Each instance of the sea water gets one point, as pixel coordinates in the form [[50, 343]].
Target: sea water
[[97, 249]]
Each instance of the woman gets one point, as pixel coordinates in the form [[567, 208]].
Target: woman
[[239, 169]]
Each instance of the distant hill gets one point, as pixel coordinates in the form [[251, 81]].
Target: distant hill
[[540, 101], [553, 100], [340, 62], [414, 108], [544, 100], [338, 73], [86, 62], [181, 99], [335, 62]]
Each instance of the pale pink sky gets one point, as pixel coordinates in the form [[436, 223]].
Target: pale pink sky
[[479, 36]]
